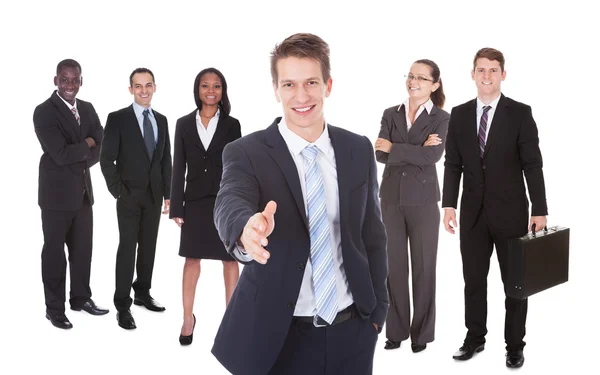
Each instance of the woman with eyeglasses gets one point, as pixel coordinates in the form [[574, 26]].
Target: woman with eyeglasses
[[411, 141], [200, 138]]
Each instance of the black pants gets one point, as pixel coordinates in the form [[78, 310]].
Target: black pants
[[74, 228], [138, 216], [346, 348], [476, 246]]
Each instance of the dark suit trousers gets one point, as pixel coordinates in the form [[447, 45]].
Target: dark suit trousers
[[346, 348], [476, 247], [419, 226], [138, 218], [73, 227]]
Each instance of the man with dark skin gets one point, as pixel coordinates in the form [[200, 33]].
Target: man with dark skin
[[70, 135]]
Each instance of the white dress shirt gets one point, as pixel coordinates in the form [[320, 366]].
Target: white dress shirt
[[69, 105], [207, 133], [306, 304], [428, 105], [490, 114]]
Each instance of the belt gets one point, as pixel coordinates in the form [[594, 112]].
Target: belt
[[346, 314]]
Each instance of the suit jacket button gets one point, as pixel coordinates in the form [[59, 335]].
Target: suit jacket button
[[403, 173], [300, 266], [483, 166], [291, 305], [481, 185], [205, 170]]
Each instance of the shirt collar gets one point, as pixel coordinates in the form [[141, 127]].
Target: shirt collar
[[66, 102], [139, 110], [296, 143], [216, 116], [493, 103], [428, 105]]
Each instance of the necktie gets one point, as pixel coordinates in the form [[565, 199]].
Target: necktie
[[74, 110], [148, 134], [483, 129], [320, 238]]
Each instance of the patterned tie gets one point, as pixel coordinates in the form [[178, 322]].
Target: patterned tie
[[148, 134], [483, 129], [74, 110], [320, 238]]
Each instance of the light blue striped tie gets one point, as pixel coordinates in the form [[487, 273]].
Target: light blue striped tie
[[320, 238]]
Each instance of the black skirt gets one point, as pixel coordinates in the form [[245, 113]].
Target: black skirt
[[199, 237]]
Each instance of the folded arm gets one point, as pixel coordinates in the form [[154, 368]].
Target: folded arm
[[54, 143]]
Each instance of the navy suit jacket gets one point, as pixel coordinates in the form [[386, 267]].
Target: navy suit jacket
[[259, 168]]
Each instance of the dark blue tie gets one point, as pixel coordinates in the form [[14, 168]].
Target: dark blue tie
[[148, 134]]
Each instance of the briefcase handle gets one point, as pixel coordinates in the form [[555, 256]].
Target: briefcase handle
[[533, 230]]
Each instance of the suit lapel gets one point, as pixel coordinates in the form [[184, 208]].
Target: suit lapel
[[422, 121], [70, 121], [496, 124], [345, 171], [220, 132], [160, 142], [84, 115], [139, 137], [399, 121], [280, 152], [471, 129]]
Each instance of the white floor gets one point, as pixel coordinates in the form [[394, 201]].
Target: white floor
[[559, 320]]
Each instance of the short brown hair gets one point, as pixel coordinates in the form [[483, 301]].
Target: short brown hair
[[490, 54], [302, 45]]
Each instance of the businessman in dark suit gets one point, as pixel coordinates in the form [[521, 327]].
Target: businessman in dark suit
[[70, 134], [136, 163], [492, 142], [312, 296]]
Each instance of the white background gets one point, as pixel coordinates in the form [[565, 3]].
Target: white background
[[551, 65]]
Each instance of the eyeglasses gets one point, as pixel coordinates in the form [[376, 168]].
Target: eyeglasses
[[409, 77]]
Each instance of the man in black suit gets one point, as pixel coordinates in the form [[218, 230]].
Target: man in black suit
[[70, 134], [313, 294], [492, 142], [136, 163]]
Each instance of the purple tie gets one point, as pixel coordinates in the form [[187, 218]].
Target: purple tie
[[483, 129]]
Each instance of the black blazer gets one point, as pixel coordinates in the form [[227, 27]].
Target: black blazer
[[64, 172], [204, 167], [410, 176], [496, 181], [124, 161], [256, 169]]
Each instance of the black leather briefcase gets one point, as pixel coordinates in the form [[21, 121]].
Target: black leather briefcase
[[537, 261]]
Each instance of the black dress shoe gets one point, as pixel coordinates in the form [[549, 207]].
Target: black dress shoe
[[466, 352], [187, 340], [91, 308], [125, 320], [514, 358], [417, 348], [59, 321], [389, 344], [149, 303]]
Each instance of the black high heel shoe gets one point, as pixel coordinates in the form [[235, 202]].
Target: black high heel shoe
[[187, 340]]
